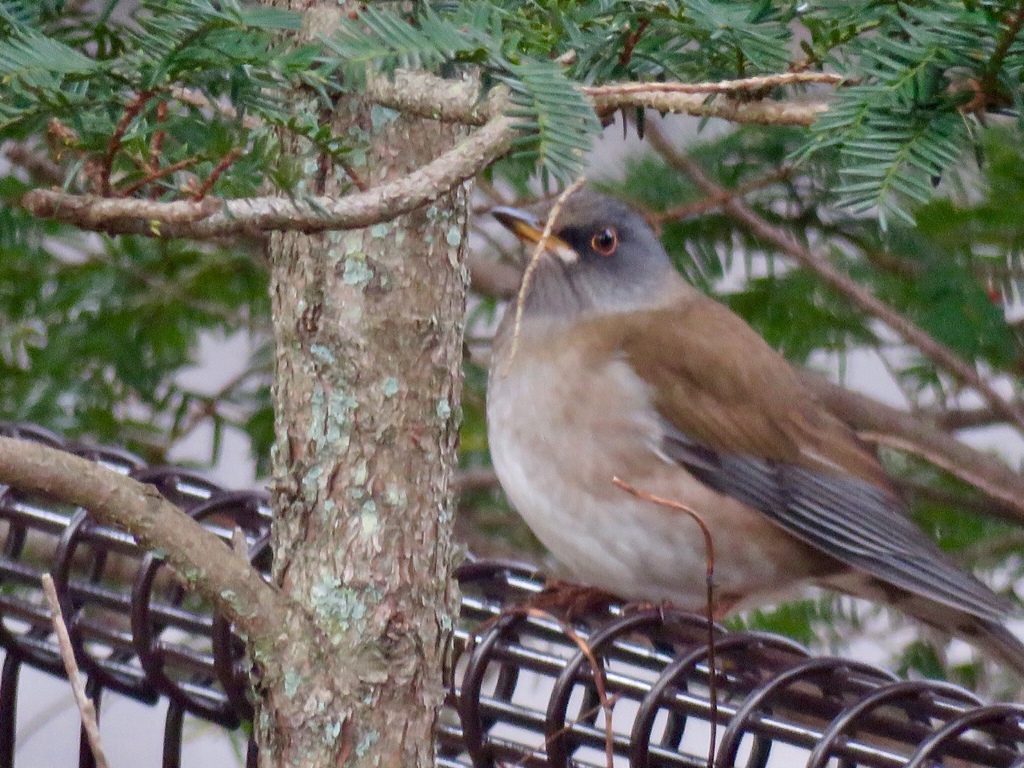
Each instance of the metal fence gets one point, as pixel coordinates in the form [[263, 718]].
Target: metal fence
[[522, 691]]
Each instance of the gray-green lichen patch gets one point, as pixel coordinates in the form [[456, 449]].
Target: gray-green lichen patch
[[381, 116], [332, 730], [322, 352], [311, 483], [330, 419], [357, 273], [367, 740], [454, 236], [380, 230], [292, 681], [353, 242], [390, 386], [368, 517], [444, 409], [340, 406], [336, 605], [396, 496]]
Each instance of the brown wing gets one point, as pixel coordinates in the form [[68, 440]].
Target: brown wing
[[716, 380], [736, 416]]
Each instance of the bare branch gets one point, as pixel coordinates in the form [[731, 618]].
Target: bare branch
[[429, 96], [415, 93], [86, 709], [34, 161], [426, 95], [203, 560], [722, 86], [954, 419], [944, 357], [214, 218], [764, 112]]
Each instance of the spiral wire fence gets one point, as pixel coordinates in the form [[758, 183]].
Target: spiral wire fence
[[522, 690]]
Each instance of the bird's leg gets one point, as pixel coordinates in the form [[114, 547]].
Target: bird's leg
[[573, 601], [722, 608]]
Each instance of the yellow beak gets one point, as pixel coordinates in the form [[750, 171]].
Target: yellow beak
[[528, 229]]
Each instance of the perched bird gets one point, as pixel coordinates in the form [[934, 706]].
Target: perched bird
[[622, 369]]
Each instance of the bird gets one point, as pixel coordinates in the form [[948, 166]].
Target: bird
[[617, 367]]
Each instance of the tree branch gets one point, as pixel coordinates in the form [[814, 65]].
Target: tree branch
[[215, 218], [205, 562], [425, 95], [416, 93], [763, 112], [944, 357]]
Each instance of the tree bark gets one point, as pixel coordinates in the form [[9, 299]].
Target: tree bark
[[368, 326]]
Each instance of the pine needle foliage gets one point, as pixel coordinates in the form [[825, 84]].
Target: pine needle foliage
[[920, 76]]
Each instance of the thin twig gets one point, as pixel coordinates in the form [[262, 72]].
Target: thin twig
[[86, 709], [223, 165], [989, 80], [130, 113], [531, 267], [156, 175], [156, 144], [709, 560], [631, 40], [938, 353], [712, 202]]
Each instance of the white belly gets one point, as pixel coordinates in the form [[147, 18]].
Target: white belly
[[556, 465]]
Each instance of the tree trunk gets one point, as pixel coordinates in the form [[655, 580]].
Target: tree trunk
[[368, 326]]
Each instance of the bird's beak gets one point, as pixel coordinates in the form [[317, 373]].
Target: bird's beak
[[529, 229]]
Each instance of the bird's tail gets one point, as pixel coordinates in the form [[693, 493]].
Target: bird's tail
[[995, 639], [981, 626]]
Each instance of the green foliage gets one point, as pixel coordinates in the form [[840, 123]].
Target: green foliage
[[109, 94], [903, 125], [899, 123], [94, 345]]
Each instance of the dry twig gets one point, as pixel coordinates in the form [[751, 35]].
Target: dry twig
[[86, 709], [709, 548], [531, 267]]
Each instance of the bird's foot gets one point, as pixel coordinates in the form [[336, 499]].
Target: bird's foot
[[572, 601]]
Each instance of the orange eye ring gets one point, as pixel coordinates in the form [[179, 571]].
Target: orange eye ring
[[605, 242]]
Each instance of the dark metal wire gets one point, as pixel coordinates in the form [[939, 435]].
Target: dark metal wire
[[521, 693]]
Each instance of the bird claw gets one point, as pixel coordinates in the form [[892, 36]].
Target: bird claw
[[572, 601]]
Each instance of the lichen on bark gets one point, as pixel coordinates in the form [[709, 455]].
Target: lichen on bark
[[368, 328]]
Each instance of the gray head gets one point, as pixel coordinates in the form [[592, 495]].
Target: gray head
[[602, 257]]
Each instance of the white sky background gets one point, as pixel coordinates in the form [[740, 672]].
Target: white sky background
[[47, 719]]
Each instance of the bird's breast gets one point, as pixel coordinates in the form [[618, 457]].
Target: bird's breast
[[562, 422]]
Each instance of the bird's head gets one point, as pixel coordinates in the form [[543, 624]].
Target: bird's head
[[602, 256]]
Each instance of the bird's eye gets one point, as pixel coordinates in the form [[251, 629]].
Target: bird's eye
[[605, 242]]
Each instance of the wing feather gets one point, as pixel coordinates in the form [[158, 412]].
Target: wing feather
[[737, 416]]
